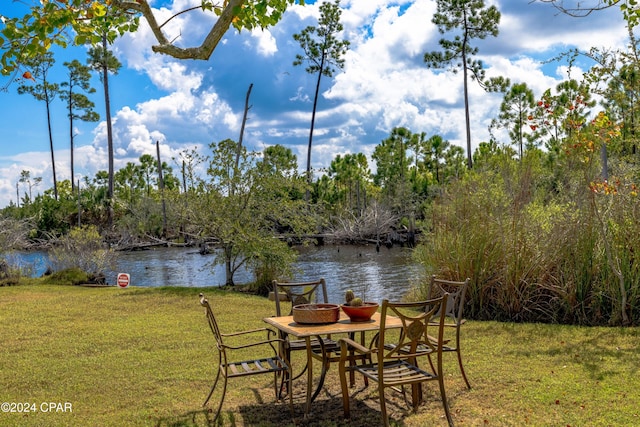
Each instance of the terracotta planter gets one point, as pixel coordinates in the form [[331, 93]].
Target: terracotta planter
[[360, 313]]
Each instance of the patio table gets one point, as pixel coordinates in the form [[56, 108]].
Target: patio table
[[307, 331]]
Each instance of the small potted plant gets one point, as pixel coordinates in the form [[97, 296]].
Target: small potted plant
[[356, 309]]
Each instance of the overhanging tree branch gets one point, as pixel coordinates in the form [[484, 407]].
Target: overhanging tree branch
[[579, 9], [164, 46], [62, 22]]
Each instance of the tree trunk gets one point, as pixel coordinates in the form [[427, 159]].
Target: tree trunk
[[466, 92], [227, 265], [313, 121], [107, 103], [79, 206], [466, 108], [161, 188], [186, 202], [244, 121], [71, 139], [53, 161], [358, 204]]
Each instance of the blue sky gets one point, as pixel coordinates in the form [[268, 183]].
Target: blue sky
[[188, 104]]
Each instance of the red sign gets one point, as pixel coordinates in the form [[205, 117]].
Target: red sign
[[123, 280]]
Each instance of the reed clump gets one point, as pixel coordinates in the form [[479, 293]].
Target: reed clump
[[540, 244]]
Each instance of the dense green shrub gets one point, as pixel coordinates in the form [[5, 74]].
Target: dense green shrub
[[271, 263], [69, 276]]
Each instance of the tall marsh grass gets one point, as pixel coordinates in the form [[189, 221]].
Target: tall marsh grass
[[538, 245]]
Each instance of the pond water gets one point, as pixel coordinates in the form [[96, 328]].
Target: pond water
[[386, 274]]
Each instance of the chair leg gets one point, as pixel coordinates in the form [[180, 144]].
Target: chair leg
[[445, 403], [290, 376], [213, 387], [416, 389], [464, 375], [352, 373], [433, 368], [323, 375], [443, 394], [364, 361], [345, 390], [285, 376], [275, 386], [285, 388], [224, 392], [416, 395], [281, 390], [383, 406]]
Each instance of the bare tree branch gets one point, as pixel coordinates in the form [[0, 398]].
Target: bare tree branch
[[579, 8], [166, 47]]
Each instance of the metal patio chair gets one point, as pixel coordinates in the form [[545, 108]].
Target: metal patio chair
[[454, 312], [270, 363], [289, 294], [397, 365]]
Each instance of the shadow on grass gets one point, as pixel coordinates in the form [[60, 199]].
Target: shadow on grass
[[326, 411], [203, 417]]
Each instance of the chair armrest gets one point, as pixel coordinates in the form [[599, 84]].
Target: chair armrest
[[434, 340], [269, 332], [270, 341], [448, 324], [347, 343], [255, 344]]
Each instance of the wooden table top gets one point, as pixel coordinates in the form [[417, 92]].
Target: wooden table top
[[344, 325]]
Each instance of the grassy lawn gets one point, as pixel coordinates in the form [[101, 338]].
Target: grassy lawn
[[144, 357]]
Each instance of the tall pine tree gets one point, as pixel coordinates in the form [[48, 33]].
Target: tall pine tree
[[79, 106], [467, 20], [45, 91], [323, 51]]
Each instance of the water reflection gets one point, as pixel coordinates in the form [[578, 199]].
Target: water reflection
[[373, 275], [172, 267], [31, 264]]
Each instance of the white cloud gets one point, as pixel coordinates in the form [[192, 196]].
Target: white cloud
[[266, 42]]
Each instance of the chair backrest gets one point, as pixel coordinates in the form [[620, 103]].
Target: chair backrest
[[457, 292], [298, 293], [212, 322], [419, 335]]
